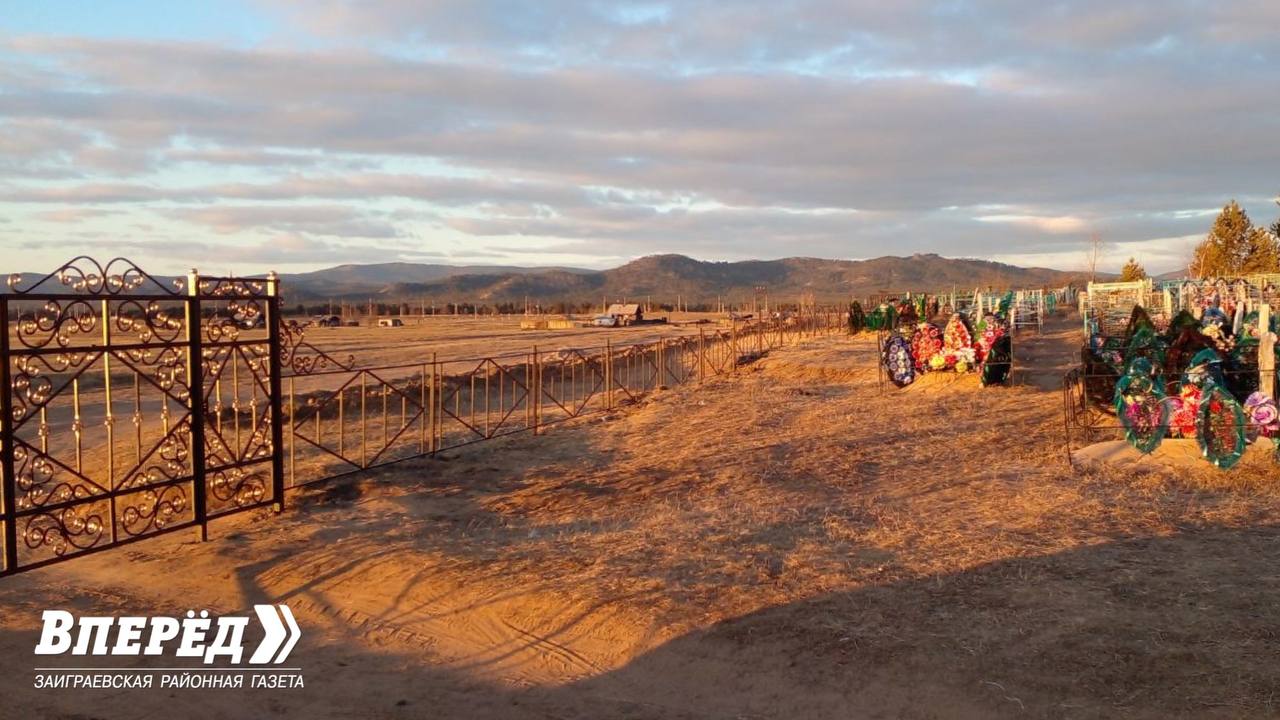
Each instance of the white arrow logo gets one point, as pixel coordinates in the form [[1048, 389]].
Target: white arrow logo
[[276, 635]]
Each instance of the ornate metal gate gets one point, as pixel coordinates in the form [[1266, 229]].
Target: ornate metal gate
[[133, 406]]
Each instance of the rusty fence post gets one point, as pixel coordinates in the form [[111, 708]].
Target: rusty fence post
[[537, 391], [661, 358], [6, 448], [274, 318], [422, 410], [364, 420], [733, 344], [528, 390], [195, 380], [434, 393], [293, 413], [608, 374], [702, 346]]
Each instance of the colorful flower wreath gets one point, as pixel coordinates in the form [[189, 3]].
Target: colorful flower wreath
[[898, 361], [926, 343], [957, 336], [992, 330], [1220, 428], [1264, 418], [1141, 407]]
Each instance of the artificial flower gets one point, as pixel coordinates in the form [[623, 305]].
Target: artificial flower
[[1184, 411], [1262, 414]]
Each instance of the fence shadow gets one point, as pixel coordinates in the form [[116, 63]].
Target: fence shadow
[[1152, 627]]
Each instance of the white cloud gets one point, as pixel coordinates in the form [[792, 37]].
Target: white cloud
[[1056, 224], [716, 129]]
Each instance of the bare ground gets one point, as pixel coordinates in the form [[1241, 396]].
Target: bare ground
[[792, 542], [465, 337]]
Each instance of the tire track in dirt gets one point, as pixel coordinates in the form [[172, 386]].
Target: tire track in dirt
[[524, 638], [568, 656]]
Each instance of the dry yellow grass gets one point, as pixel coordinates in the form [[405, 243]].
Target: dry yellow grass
[[461, 337], [790, 542]]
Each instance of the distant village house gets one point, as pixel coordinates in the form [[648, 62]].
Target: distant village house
[[626, 313], [619, 314]]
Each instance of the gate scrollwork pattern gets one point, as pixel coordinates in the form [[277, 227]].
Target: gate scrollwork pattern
[[132, 405]]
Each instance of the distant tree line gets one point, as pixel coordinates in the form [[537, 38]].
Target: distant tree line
[[559, 307], [415, 308]]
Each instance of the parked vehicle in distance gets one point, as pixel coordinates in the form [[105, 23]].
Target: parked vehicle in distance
[[390, 322], [326, 321], [605, 321]]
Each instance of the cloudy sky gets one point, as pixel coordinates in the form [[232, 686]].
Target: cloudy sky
[[247, 135]]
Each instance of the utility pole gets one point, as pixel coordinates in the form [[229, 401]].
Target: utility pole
[[760, 297]]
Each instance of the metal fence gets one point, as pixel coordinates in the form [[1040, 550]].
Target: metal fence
[[1089, 413], [135, 406], [345, 418]]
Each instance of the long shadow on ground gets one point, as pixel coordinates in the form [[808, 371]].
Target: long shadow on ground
[[1178, 626]]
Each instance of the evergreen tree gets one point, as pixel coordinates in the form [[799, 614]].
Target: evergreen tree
[[1275, 226], [1234, 247], [1273, 248], [1132, 271], [1262, 253]]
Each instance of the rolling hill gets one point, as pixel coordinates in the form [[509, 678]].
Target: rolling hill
[[351, 278], [662, 278]]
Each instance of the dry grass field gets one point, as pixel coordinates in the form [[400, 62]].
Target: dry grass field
[[789, 542], [464, 337]]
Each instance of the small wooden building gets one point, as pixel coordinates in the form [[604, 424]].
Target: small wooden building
[[626, 313]]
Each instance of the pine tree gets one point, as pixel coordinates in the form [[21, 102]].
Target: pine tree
[[1231, 245], [1132, 271], [1275, 244], [1262, 253]]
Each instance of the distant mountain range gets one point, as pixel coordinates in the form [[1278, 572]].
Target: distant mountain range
[[345, 280], [662, 278]]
